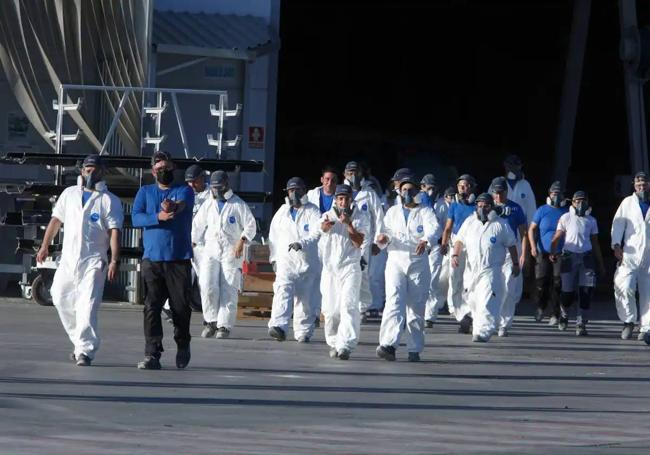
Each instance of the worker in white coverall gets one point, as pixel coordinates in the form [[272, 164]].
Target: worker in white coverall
[[92, 217], [323, 198], [439, 264], [345, 232], [631, 245], [514, 216], [408, 232], [293, 241], [485, 237], [366, 199], [519, 189], [222, 226]]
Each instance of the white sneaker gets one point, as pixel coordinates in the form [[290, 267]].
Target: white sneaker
[[333, 353], [479, 339], [503, 332], [209, 331]]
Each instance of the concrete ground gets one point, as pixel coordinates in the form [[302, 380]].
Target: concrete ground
[[539, 390]]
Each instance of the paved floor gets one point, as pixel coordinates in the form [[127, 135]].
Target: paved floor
[[538, 390]]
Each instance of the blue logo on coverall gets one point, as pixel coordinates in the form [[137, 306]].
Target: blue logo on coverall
[[306, 227], [493, 240], [94, 217], [364, 207], [420, 228], [523, 195], [232, 220]]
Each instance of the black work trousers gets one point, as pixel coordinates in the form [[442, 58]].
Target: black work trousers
[[166, 280], [548, 283]]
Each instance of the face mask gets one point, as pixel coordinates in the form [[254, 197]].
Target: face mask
[[295, 199], [643, 195], [514, 174], [347, 211], [582, 208], [408, 197], [165, 176], [354, 181], [555, 201], [430, 192], [219, 193], [91, 180], [483, 213], [392, 194]]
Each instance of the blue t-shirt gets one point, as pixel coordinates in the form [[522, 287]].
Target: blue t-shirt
[[220, 205], [546, 218], [406, 212], [516, 218], [84, 197], [426, 200], [293, 212], [458, 213], [644, 207], [164, 240], [325, 202]]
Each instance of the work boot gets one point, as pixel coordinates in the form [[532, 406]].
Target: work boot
[[209, 330], [539, 314], [83, 360], [277, 334], [581, 330], [563, 323], [465, 324], [553, 320], [646, 338], [183, 357], [386, 352], [303, 339], [503, 332], [333, 353], [344, 354], [149, 363], [414, 357], [223, 332], [479, 339], [628, 329], [428, 324]]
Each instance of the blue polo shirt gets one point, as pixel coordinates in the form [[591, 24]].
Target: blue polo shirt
[[458, 213], [516, 218], [164, 240], [325, 202], [644, 208], [546, 218]]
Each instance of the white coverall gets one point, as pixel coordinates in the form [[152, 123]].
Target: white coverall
[[523, 195], [220, 279], [313, 196], [485, 246], [367, 201], [79, 280], [407, 275], [341, 279], [296, 271], [439, 266], [632, 232]]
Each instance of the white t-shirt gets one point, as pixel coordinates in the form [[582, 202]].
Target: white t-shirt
[[578, 231]]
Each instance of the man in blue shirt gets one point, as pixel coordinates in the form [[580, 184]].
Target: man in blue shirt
[[164, 211], [459, 210], [540, 233]]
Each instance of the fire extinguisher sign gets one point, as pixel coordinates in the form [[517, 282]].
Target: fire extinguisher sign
[[256, 137]]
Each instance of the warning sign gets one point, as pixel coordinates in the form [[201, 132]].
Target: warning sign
[[256, 137]]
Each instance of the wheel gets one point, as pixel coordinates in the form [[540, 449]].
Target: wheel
[[41, 291]]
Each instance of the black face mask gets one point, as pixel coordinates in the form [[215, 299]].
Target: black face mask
[[408, 197], [219, 193], [295, 199], [581, 209], [392, 194], [165, 176], [347, 211], [92, 179], [556, 200], [482, 213]]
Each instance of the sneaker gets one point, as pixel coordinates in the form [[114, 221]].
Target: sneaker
[[209, 330], [303, 339], [414, 356], [386, 352], [333, 353], [277, 334], [167, 314], [72, 357], [539, 315], [581, 330], [563, 323], [428, 324], [149, 363], [628, 329], [479, 339], [553, 320], [183, 357], [83, 360], [641, 336], [344, 354], [465, 324], [646, 338], [223, 332], [503, 332]]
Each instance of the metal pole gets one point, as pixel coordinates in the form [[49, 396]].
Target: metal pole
[[116, 120], [59, 141], [181, 130]]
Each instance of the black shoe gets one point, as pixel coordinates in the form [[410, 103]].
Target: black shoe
[[539, 315], [223, 332], [83, 360], [646, 337], [581, 330], [428, 324], [386, 352], [277, 334], [563, 323], [183, 357], [149, 363], [466, 324], [628, 329]]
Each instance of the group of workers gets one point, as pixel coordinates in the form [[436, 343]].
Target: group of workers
[[346, 250]]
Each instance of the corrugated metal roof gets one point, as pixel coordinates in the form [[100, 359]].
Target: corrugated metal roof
[[239, 35]]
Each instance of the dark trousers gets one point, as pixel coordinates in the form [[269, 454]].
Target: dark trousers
[[548, 283], [162, 281]]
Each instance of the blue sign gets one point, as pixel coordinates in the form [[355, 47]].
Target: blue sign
[[364, 207], [493, 240], [94, 217], [420, 228], [523, 195], [232, 220]]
